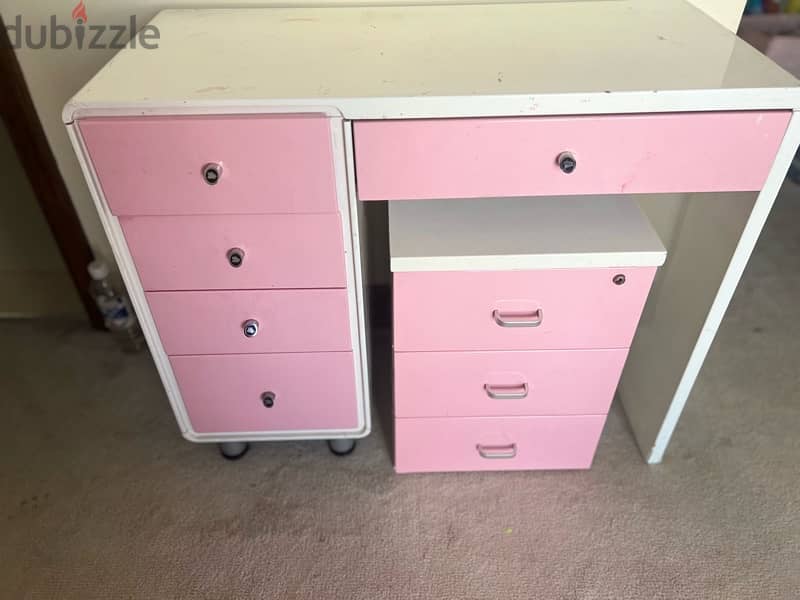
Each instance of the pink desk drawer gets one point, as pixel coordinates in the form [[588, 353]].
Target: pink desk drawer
[[495, 443], [287, 321], [649, 153], [518, 310], [269, 164], [268, 392], [271, 251], [474, 384]]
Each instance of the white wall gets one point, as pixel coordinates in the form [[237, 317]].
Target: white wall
[[33, 278], [55, 75], [727, 12]]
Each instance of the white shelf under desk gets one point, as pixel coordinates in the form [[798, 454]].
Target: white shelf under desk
[[521, 233]]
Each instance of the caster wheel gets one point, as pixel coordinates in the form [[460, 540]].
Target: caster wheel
[[341, 447], [233, 450]]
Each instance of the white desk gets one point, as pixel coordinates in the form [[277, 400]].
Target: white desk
[[611, 57]]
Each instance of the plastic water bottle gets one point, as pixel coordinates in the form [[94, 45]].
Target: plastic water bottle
[[115, 308]]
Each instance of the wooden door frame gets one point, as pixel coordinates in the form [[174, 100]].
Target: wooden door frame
[[28, 138]]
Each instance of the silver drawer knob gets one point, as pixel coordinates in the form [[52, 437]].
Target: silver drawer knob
[[268, 399], [235, 257], [212, 173], [250, 328]]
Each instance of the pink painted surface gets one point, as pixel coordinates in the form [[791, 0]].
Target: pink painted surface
[[442, 444], [289, 321], [578, 309], [280, 251], [222, 394], [270, 164], [553, 382], [468, 158]]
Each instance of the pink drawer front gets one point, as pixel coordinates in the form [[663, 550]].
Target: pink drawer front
[[496, 443], [271, 251], [268, 392], [472, 384], [269, 164], [287, 321], [648, 153], [518, 310]]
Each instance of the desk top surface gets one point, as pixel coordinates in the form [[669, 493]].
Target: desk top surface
[[430, 61]]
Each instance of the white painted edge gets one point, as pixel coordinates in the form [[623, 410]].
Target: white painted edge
[[519, 262], [74, 110], [340, 144], [422, 107], [747, 241], [135, 290]]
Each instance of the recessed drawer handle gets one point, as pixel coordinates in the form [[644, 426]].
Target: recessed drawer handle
[[250, 328], [492, 452], [566, 162], [268, 399], [526, 319], [506, 392], [212, 173], [235, 257]]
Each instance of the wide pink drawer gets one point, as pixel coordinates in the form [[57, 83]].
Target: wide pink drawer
[[213, 164], [254, 321], [496, 443], [268, 392], [518, 310], [540, 382], [613, 154], [237, 251]]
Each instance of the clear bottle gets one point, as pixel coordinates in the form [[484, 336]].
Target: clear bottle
[[117, 313]]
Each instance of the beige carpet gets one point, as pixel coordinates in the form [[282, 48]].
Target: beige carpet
[[101, 498]]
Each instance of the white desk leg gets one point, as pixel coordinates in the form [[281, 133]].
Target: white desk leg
[[708, 251]]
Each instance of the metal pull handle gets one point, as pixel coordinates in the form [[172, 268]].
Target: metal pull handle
[[212, 173], [509, 319], [250, 328], [504, 392], [493, 452]]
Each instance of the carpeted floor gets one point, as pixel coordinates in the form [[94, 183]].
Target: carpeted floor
[[101, 498]]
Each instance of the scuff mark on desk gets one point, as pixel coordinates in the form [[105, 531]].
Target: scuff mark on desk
[[212, 88]]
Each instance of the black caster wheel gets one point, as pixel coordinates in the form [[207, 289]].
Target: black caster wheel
[[233, 450], [341, 447]]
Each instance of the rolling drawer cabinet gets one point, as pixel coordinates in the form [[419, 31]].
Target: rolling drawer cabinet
[[232, 180], [513, 369]]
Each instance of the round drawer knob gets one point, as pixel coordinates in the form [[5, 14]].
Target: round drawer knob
[[619, 279], [566, 162], [212, 173], [235, 257], [250, 328], [268, 399]]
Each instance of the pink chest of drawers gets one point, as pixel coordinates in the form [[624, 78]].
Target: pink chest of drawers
[[238, 237], [505, 368]]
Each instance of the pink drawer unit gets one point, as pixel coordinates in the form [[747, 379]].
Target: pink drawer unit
[[237, 251], [268, 392], [495, 443], [532, 156], [249, 322], [518, 310], [213, 164], [472, 384]]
